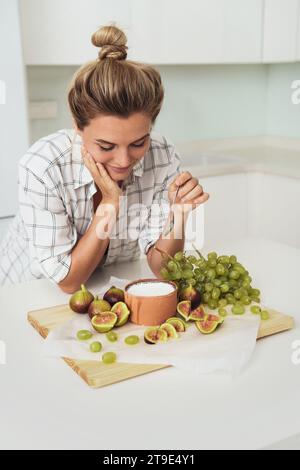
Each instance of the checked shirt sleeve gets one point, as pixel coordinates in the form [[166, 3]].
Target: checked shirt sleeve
[[51, 234]]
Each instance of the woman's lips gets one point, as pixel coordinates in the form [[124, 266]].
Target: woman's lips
[[118, 169]]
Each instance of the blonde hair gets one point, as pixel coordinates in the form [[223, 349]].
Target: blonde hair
[[112, 85]]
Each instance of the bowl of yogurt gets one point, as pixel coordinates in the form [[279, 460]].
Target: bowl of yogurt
[[151, 301]]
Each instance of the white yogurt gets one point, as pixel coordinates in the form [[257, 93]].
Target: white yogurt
[[150, 289]]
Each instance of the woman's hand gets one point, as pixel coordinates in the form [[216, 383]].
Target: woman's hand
[[190, 193], [109, 189]]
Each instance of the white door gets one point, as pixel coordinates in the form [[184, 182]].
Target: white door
[[14, 134]]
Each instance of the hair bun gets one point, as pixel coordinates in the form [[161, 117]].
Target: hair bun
[[112, 41]]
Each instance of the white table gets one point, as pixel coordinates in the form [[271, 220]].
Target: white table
[[44, 404]]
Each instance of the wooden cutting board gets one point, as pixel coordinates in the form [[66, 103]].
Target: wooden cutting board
[[96, 374]]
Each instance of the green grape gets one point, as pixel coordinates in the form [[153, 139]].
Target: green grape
[[222, 302], [84, 335], [164, 273], [255, 299], [222, 311], [255, 292], [237, 294], [208, 286], [212, 303], [212, 263], [233, 259], [264, 315], [223, 278], [224, 287], [197, 272], [217, 282], [215, 293], [246, 300], [255, 309], [179, 256], [187, 274], [223, 259], [109, 357], [192, 259], [238, 309], [172, 266], [233, 283], [211, 274], [112, 336], [206, 297], [95, 347], [233, 274], [192, 282], [212, 255], [132, 340], [230, 298], [220, 269]]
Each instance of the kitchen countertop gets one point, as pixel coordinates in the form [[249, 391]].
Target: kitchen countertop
[[279, 156], [44, 404]]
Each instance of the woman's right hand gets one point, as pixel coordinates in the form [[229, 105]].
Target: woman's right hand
[[110, 190]]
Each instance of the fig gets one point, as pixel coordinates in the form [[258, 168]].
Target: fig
[[105, 321], [81, 300], [170, 329], [98, 306], [178, 324], [209, 324], [192, 294], [197, 314], [122, 312], [114, 295], [184, 309], [155, 335]]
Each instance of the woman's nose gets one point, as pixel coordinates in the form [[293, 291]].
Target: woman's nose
[[123, 159]]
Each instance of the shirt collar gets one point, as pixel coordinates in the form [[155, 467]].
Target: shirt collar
[[82, 175]]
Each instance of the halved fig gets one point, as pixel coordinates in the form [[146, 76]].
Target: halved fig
[[155, 335], [105, 321], [122, 312], [197, 314], [178, 324], [184, 309], [209, 324], [170, 329]]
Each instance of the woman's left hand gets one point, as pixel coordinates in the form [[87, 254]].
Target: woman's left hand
[[190, 193]]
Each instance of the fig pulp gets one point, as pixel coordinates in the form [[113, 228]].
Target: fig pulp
[[184, 309], [155, 335], [81, 300], [122, 312], [98, 306], [105, 321], [178, 324], [170, 330], [197, 314], [209, 324], [114, 295]]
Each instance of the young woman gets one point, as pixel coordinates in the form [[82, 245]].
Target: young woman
[[83, 191]]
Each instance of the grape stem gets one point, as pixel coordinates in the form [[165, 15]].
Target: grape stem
[[163, 253], [197, 251]]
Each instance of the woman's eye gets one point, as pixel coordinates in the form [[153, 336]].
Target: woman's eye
[[111, 148]]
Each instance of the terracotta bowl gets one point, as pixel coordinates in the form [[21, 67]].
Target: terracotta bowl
[[151, 310]]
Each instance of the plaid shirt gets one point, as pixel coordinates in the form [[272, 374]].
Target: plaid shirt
[[56, 207]]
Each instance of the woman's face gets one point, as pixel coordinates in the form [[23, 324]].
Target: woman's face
[[116, 142]]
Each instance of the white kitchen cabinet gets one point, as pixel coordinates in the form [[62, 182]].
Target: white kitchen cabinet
[[13, 106], [58, 32], [159, 31], [196, 31], [280, 209], [280, 30]]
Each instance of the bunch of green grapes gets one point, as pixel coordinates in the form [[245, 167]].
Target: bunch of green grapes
[[221, 280]]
